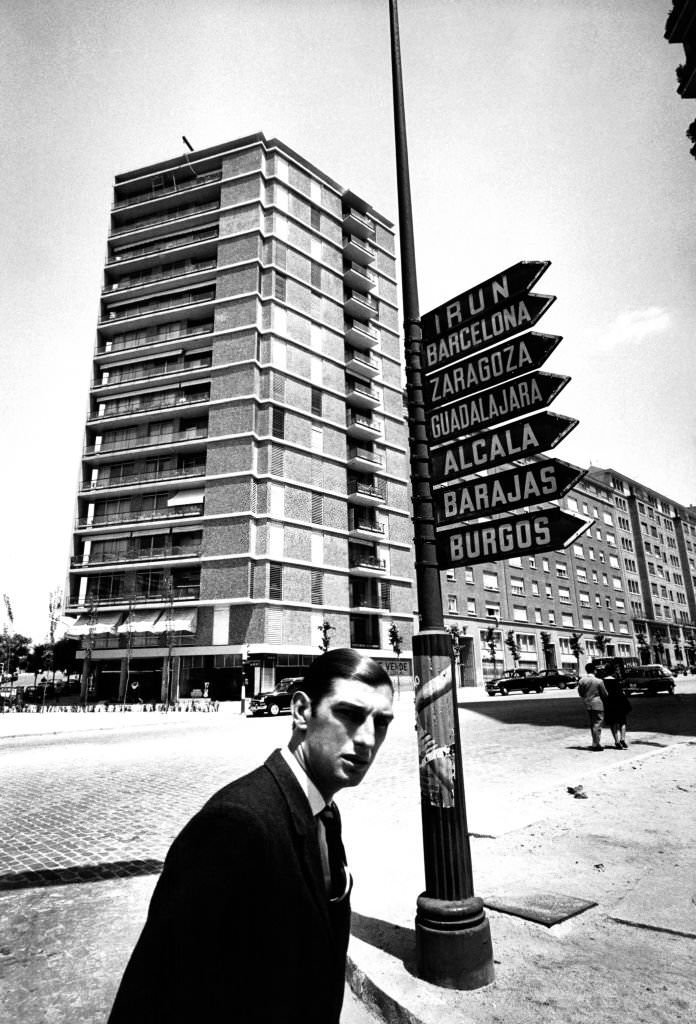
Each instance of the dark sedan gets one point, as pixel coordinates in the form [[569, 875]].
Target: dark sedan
[[555, 677], [514, 679]]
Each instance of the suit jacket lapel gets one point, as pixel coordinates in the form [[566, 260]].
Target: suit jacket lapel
[[305, 830]]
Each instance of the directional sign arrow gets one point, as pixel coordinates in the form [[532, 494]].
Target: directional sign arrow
[[477, 373], [505, 402], [483, 331], [520, 486], [485, 296], [526, 533], [529, 436]]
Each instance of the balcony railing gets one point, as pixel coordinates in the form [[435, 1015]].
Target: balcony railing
[[159, 245], [134, 405], [365, 455], [365, 422], [120, 642], [365, 524], [131, 444], [367, 562], [143, 478], [178, 214], [157, 305], [139, 516], [377, 490], [130, 554], [157, 193], [138, 281], [187, 593], [145, 372], [152, 336]]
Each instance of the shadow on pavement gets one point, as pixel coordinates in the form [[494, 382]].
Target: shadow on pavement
[[393, 939], [673, 715]]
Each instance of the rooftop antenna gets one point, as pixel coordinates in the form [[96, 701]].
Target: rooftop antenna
[[186, 141]]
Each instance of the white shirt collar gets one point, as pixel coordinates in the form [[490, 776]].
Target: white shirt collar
[[316, 800]]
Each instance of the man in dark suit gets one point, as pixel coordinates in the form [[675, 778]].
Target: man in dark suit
[[249, 921]]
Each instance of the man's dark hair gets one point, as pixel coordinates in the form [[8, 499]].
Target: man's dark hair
[[342, 663]]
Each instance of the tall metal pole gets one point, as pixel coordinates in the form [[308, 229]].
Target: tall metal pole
[[453, 942]]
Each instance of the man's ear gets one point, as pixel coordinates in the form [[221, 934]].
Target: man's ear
[[301, 708]]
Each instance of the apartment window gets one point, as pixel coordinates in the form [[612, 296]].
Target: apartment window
[[468, 575], [584, 599], [315, 218], [275, 581], [581, 574], [590, 552], [620, 604], [531, 561], [450, 576], [385, 595], [562, 570], [516, 563], [564, 595], [526, 643], [623, 627], [519, 613], [572, 504], [452, 604], [535, 588], [490, 581], [552, 617], [606, 516], [317, 586], [316, 402], [578, 551], [611, 539], [537, 615], [493, 611], [616, 583], [317, 509], [545, 564], [566, 619], [587, 622], [278, 423], [548, 590], [614, 562], [517, 586], [470, 606]]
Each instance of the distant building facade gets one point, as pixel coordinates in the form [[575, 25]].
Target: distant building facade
[[244, 472]]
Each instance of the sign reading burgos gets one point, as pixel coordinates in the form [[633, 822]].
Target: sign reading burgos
[[508, 537]]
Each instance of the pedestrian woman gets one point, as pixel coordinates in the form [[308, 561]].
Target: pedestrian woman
[[616, 708]]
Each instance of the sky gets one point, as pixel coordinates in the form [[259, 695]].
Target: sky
[[537, 130]]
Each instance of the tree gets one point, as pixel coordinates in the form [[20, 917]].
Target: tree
[[642, 642], [396, 640], [659, 644], [576, 648], [490, 641], [65, 655], [326, 629], [547, 647], [512, 646], [601, 641], [15, 650]]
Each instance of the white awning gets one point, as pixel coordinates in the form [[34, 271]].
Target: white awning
[[140, 622], [182, 620], [97, 625], [186, 498]]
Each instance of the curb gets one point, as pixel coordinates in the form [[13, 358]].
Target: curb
[[375, 998]]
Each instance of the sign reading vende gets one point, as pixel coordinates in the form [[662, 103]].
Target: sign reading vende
[[514, 488], [529, 436], [504, 362], [509, 537]]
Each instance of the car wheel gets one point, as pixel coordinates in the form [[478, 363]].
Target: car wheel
[[670, 689], [525, 691], [538, 689], [274, 709], [503, 690]]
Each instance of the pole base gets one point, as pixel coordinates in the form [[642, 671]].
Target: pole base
[[453, 943]]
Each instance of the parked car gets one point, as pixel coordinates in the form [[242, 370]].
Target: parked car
[[649, 679], [555, 677], [277, 700], [513, 679]]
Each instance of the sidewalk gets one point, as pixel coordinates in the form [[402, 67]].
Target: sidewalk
[[628, 958]]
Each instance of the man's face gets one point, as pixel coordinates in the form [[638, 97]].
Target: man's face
[[343, 734]]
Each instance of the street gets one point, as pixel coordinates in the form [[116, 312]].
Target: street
[[100, 806]]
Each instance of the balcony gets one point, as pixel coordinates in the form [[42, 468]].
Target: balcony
[[178, 331], [158, 305], [362, 395], [121, 643], [184, 593], [176, 214], [360, 335], [355, 275], [156, 276], [357, 250], [364, 460], [131, 480], [366, 565], [142, 405], [147, 371], [360, 493], [137, 443], [363, 525], [361, 364], [360, 304], [117, 556], [143, 515], [157, 192], [126, 253], [362, 427], [358, 224]]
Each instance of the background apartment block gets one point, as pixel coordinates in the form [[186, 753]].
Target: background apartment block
[[625, 588], [244, 473]]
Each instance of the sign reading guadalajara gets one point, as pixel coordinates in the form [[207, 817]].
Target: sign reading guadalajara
[[513, 488], [504, 362], [504, 402], [529, 436], [509, 537]]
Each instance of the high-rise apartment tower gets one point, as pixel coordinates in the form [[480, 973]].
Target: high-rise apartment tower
[[244, 473]]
